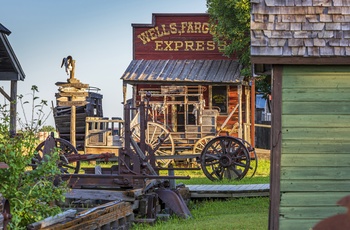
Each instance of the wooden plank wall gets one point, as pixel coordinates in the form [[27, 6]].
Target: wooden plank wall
[[315, 155], [233, 100]]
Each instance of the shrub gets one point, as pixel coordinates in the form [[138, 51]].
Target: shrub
[[31, 193]]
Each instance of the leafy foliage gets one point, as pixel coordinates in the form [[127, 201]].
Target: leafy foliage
[[32, 193], [230, 25], [38, 116], [263, 84]]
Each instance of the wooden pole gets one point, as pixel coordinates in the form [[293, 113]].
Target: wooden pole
[[247, 134], [252, 121], [124, 93], [240, 111], [72, 73], [72, 126], [13, 107]]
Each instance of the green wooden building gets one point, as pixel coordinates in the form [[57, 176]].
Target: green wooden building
[[307, 44]]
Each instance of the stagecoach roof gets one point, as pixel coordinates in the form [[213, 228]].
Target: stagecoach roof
[[183, 71], [10, 68]]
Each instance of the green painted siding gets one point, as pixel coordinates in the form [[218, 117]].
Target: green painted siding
[[315, 156]]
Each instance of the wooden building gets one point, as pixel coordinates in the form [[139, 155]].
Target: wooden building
[[10, 70], [307, 44], [176, 59]]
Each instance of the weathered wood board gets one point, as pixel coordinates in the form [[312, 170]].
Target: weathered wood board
[[315, 154], [112, 215], [211, 191]]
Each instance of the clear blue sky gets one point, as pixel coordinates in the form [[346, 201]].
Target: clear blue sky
[[97, 33]]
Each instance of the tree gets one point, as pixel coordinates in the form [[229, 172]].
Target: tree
[[230, 25]]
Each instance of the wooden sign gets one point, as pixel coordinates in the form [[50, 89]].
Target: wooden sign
[[75, 85], [71, 89], [71, 98], [72, 103], [176, 36], [71, 94]]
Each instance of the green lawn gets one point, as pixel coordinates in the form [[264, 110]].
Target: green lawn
[[234, 213], [237, 214]]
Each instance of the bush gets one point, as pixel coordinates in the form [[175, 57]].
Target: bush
[[31, 193]]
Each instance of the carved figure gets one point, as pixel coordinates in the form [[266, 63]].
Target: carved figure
[[67, 63]]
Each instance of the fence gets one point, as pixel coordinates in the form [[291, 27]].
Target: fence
[[262, 129]]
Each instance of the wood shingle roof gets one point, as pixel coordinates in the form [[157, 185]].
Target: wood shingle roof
[[300, 28]]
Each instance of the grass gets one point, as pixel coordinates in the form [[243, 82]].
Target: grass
[[197, 176], [234, 213]]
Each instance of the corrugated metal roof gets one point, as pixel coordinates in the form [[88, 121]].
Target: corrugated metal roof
[[186, 71]]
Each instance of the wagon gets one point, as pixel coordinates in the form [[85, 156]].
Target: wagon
[[180, 129]]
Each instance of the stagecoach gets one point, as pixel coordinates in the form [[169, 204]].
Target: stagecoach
[[181, 130]]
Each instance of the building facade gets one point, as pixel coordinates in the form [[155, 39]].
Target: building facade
[[307, 44]]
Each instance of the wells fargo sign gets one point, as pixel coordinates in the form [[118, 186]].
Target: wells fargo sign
[[175, 36]]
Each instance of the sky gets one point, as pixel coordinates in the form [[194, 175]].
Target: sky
[[96, 33]]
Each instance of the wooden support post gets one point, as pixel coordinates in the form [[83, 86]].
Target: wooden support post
[[72, 126], [171, 173], [13, 107], [124, 93], [247, 124], [240, 133], [252, 119]]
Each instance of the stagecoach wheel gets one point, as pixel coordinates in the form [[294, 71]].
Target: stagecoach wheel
[[253, 158], [65, 149], [201, 143], [225, 157], [155, 133]]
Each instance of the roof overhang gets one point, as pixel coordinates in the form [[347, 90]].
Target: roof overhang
[[10, 68], [278, 60], [183, 71]]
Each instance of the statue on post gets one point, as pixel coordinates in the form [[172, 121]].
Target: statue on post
[[69, 65]]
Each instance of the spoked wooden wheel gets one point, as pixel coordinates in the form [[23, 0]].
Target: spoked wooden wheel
[[65, 149], [201, 143], [253, 158], [157, 137], [225, 157]]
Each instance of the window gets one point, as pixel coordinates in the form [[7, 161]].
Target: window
[[219, 98]]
